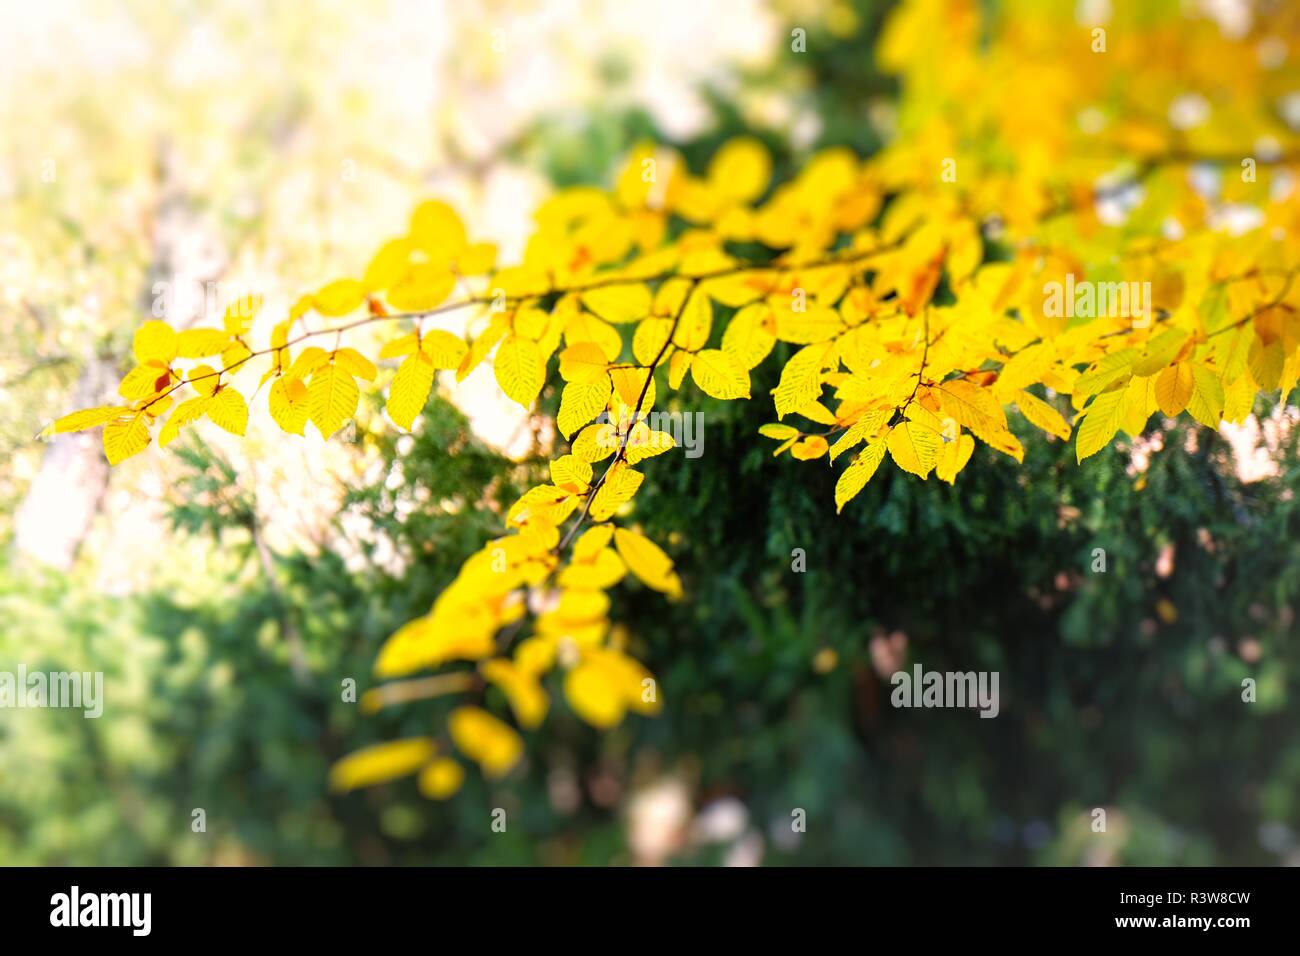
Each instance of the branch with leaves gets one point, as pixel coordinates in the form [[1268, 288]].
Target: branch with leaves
[[911, 290]]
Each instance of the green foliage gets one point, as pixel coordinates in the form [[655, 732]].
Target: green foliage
[[1103, 703]]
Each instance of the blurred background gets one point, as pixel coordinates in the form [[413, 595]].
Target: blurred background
[[226, 589]]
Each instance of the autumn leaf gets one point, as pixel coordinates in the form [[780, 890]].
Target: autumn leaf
[[647, 561], [339, 297], [381, 763], [1100, 423], [125, 436], [859, 472], [914, 447], [1174, 388], [493, 745], [410, 389], [332, 397], [518, 369], [720, 374], [289, 404]]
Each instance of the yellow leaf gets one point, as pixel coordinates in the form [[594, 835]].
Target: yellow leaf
[[975, 408], [441, 779], [239, 315], [518, 369], [629, 385], [629, 677], [288, 403], [487, 741], [204, 379], [548, 503], [812, 447], [1026, 367], [602, 570], [858, 473], [1042, 415], [1239, 399], [381, 763], [444, 349], [580, 403], [650, 339], [864, 428], [618, 489], [583, 362], [200, 343], [742, 288], [801, 378], [644, 442], [124, 437], [571, 472], [815, 323], [1138, 403], [1232, 353], [619, 303], [523, 692], [584, 327], [595, 442], [228, 410], [1173, 388], [410, 389], [749, 335], [477, 259], [536, 654], [185, 413], [406, 345], [965, 252], [741, 169], [695, 323], [332, 397], [592, 541], [593, 696], [155, 341], [424, 287], [339, 297], [647, 561], [145, 380], [437, 230], [953, 456], [1161, 350], [815, 411], [1206, 403], [308, 362], [720, 374], [87, 418], [678, 366], [779, 432], [581, 606], [356, 364], [913, 447], [1105, 372], [388, 265], [531, 322], [1100, 423], [235, 356], [1266, 361]]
